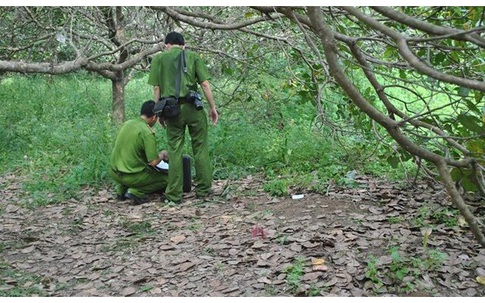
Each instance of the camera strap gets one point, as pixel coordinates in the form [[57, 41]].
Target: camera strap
[[183, 61], [179, 74]]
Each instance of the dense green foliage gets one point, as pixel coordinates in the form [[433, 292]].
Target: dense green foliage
[[58, 134]]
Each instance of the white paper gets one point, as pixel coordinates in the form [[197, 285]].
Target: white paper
[[162, 165]]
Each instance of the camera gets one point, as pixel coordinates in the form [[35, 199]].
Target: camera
[[196, 99]]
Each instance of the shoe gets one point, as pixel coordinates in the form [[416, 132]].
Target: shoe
[[170, 202], [120, 197], [136, 200], [205, 195]]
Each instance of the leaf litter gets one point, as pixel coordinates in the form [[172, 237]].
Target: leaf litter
[[349, 242]]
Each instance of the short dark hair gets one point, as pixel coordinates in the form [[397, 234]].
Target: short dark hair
[[174, 38], [147, 109]]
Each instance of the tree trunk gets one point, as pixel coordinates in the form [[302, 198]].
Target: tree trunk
[[118, 87], [459, 203], [392, 127]]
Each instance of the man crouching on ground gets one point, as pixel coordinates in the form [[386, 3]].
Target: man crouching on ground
[[135, 156]]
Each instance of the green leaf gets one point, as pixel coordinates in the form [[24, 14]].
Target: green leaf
[[455, 56], [478, 96], [476, 146], [463, 91], [465, 177], [471, 123], [390, 52], [471, 106], [439, 58], [393, 161]]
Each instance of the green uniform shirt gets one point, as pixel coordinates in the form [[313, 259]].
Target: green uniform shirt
[[135, 146], [165, 77]]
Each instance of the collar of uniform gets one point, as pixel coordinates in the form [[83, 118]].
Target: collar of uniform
[[148, 125], [151, 129], [175, 49]]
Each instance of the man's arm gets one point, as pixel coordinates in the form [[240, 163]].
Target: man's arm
[[163, 155], [156, 161], [206, 88]]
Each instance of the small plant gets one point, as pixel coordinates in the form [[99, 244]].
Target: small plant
[[446, 216], [146, 288], [270, 290], [313, 291], [372, 272], [194, 225], [67, 211], [427, 216], [251, 206], [399, 268], [143, 227], [76, 226], [421, 218], [108, 213], [267, 212], [277, 187], [18, 279], [395, 220], [294, 273], [121, 245], [219, 266], [209, 251], [357, 221], [434, 259], [283, 240]]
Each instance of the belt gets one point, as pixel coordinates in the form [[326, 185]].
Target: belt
[[183, 100]]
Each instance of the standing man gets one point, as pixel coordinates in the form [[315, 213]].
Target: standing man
[[163, 75], [135, 156]]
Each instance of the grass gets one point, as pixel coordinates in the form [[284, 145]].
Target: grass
[[139, 229], [294, 273], [195, 225], [61, 139], [430, 216], [401, 267], [16, 283]]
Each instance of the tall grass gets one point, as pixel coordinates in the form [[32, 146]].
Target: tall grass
[[58, 131], [58, 134]]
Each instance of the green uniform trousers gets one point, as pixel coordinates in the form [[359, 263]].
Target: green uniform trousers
[[146, 182], [196, 121]]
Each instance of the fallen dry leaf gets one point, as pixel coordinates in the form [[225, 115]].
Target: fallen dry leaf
[[264, 280], [128, 291], [481, 280], [318, 261], [462, 221], [320, 268], [186, 265], [177, 239]]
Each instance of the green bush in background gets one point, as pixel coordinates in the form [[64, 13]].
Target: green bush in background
[[57, 133]]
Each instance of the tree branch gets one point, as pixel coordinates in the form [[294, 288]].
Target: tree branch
[[189, 18], [408, 55], [431, 28]]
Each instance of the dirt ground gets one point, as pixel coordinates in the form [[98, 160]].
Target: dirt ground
[[367, 241]]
